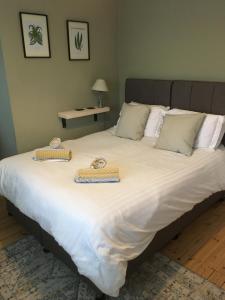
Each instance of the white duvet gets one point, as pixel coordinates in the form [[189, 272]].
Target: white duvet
[[102, 226]]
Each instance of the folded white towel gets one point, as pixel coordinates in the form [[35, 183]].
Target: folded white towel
[[96, 180]]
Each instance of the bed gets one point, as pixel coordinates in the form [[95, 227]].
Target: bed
[[99, 228]]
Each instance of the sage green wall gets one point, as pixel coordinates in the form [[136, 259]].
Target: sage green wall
[[40, 88], [175, 39], [7, 134]]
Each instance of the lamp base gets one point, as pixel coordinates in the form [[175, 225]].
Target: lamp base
[[100, 101]]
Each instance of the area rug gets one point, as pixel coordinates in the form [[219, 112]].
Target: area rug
[[27, 273]]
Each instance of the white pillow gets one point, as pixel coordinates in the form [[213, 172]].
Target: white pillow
[[211, 133], [155, 119], [151, 105]]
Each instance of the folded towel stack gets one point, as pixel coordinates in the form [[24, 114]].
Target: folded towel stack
[[108, 174], [49, 154], [102, 172]]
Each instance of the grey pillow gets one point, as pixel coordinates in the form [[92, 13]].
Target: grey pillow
[[132, 121], [178, 132]]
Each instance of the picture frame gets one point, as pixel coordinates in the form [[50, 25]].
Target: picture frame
[[78, 40], [35, 35]]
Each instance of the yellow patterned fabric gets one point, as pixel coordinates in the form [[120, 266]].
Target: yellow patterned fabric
[[99, 173], [45, 154]]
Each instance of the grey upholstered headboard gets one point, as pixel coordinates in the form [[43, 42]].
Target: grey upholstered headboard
[[202, 96], [148, 91]]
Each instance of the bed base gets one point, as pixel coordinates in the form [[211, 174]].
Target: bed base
[[160, 240]]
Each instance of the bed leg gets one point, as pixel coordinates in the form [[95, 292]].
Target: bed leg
[[176, 236], [101, 297], [45, 250]]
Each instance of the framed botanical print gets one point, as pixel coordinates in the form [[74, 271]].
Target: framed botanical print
[[35, 35], [78, 40]]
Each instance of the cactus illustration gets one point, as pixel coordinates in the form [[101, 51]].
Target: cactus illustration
[[35, 35], [78, 41]]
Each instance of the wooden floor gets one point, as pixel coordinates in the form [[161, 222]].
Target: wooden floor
[[200, 247]]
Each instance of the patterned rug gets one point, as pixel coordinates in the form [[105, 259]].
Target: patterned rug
[[26, 272]]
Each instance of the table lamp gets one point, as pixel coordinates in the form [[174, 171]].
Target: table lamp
[[101, 87]]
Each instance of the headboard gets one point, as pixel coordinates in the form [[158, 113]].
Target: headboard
[[202, 96], [148, 91]]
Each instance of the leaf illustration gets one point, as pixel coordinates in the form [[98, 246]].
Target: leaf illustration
[[78, 41], [35, 35], [76, 44], [81, 38]]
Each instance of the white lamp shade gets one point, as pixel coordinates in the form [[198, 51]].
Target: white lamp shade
[[100, 86]]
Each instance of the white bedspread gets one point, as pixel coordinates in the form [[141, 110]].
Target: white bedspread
[[102, 226]]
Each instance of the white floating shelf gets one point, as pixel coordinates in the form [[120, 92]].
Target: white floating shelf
[[72, 114]]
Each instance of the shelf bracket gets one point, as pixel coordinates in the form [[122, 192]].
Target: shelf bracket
[[64, 120], [63, 123]]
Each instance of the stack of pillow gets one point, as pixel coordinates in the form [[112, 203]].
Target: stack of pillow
[[175, 130]]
